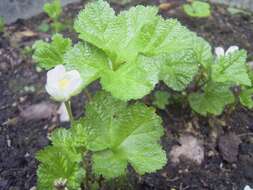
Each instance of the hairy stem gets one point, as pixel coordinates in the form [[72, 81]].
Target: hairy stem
[[68, 107]]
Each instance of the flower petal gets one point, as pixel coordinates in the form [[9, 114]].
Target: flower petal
[[63, 113], [55, 74], [232, 49], [219, 51]]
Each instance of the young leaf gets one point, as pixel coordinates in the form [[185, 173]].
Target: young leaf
[[62, 160], [178, 70], [161, 99], [120, 134], [213, 100], [246, 98], [43, 27], [231, 68], [49, 55], [132, 80], [58, 164], [73, 139], [53, 9], [197, 9]]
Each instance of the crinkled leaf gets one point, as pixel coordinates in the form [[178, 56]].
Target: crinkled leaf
[[198, 9], [161, 99], [246, 98], [202, 52], [132, 80], [53, 9], [178, 70], [231, 68], [98, 25], [164, 36], [93, 21], [49, 55], [121, 134], [109, 164], [88, 60], [125, 29], [213, 100], [134, 34], [58, 164], [73, 139]]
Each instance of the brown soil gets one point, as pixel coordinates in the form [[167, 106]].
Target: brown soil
[[20, 139]]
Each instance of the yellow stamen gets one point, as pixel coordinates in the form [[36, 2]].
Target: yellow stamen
[[63, 83]]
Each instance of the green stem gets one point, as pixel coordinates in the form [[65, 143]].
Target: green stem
[[68, 107]]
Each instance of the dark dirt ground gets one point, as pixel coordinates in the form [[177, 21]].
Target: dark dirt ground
[[22, 85]]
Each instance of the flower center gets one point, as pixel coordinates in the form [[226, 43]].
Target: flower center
[[64, 83]]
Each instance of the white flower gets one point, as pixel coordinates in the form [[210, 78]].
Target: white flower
[[63, 113], [62, 84], [219, 51], [247, 188]]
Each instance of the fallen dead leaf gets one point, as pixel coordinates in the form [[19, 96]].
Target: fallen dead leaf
[[22, 35], [191, 149], [229, 147], [165, 6], [43, 110]]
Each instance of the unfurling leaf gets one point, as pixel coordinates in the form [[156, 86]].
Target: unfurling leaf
[[213, 100], [246, 98], [231, 68], [53, 9], [161, 99], [56, 163], [62, 160]]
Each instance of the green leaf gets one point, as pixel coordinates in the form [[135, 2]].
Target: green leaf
[[125, 29], [213, 100], [161, 99], [132, 80], [2, 23], [88, 60], [246, 98], [120, 134], [43, 27], [58, 26], [49, 55], [53, 9], [202, 52], [178, 70], [63, 160], [57, 164], [132, 40], [164, 36], [73, 139], [197, 9], [231, 68], [93, 21]]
